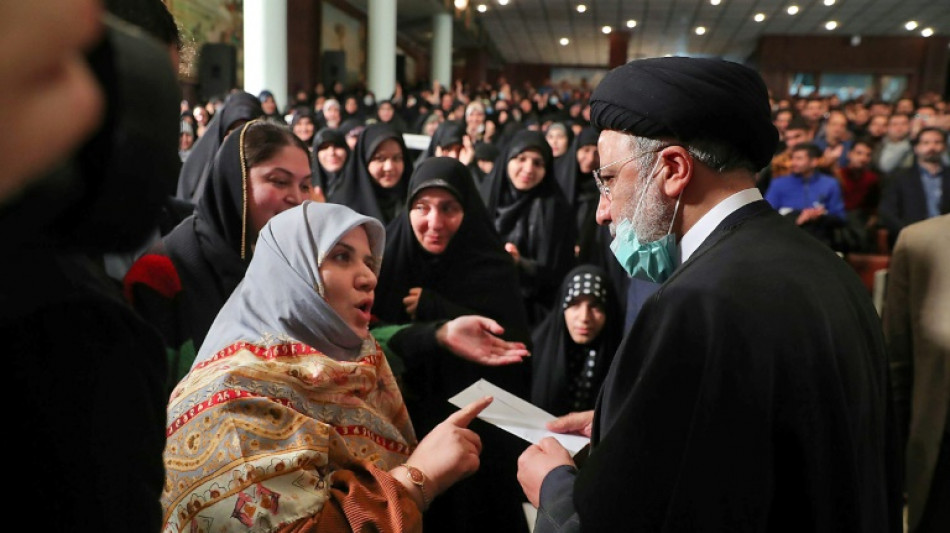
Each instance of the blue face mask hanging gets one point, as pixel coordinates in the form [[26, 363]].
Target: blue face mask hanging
[[651, 261]]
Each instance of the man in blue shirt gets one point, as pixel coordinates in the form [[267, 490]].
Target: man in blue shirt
[[810, 198]]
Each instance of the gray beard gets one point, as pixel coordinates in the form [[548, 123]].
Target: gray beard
[[653, 221]]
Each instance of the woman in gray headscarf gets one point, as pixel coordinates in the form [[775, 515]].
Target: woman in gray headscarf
[[290, 417]]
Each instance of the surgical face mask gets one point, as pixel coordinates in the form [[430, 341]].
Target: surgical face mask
[[650, 261]]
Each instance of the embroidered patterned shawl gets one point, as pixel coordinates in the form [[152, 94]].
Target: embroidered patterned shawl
[[257, 429]]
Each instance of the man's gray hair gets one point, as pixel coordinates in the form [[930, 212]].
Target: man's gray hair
[[715, 154]]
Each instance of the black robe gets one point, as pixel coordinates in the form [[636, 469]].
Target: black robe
[[534, 221], [751, 394], [328, 181], [182, 282], [580, 190], [474, 275], [238, 108], [359, 191]]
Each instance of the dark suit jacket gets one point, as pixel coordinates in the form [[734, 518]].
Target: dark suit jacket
[[750, 395], [904, 201]]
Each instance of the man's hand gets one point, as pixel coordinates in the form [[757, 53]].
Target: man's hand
[[474, 338], [411, 301], [537, 462], [580, 423]]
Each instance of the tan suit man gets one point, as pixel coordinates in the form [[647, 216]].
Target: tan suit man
[[917, 327]]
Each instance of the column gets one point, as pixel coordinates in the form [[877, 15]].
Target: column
[[381, 48], [265, 48], [442, 49], [618, 40]]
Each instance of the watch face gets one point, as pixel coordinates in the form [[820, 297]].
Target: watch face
[[416, 476]]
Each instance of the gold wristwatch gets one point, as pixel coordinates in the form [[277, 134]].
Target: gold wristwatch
[[417, 478]]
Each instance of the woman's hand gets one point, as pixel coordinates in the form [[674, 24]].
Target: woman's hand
[[513, 251], [474, 338], [411, 301], [450, 451]]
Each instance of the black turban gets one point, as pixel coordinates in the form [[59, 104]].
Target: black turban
[[688, 99]]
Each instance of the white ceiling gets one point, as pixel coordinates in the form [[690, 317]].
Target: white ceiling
[[528, 31]]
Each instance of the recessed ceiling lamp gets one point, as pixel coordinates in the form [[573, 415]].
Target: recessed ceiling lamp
[[759, 17], [831, 24], [792, 10], [829, 2], [700, 30], [482, 8], [503, 2], [461, 4], [715, 2], [606, 29], [581, 8], [927, 32], [631, 23], [565, 41], [911, 25]]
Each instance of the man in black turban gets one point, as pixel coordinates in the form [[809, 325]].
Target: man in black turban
[[750, 393]]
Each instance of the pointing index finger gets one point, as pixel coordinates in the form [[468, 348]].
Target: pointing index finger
[[464, 416]]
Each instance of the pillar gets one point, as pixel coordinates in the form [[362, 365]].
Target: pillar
[[265, 48], [381, 48]]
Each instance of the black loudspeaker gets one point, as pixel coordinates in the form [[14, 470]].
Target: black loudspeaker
[[333, 67], [217, 70]]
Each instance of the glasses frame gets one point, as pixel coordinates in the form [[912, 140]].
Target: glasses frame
[[602, 183]]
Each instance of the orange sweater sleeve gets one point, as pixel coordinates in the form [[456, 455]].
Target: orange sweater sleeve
[[367, 499]]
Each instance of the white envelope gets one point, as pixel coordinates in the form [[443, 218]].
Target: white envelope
[[515, 415]]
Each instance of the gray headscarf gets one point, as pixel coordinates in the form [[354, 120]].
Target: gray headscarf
[[281, 295]]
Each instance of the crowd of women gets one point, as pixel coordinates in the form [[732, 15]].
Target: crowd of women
[[332, 288]]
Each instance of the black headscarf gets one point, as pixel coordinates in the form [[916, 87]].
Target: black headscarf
[[301, 113], [688, 98], [238, 108], [206, 247], [565, 372], [533, 221], [474, 275], [359, 191], [328, 181], [448, 133], [579, 188]]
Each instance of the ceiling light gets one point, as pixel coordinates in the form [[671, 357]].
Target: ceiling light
[[831, 24], [700, 30], [759, 17], [829, 2], [792, 9], [606, 29], [581, 8], [503, 2], [911, 25], [565, 41], [461, 4], [715, 2], [927, 32], [631, 23], [482, 8]]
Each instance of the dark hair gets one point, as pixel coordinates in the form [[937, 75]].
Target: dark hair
[[943, 134], [905, 115], [811, 148], [797, 123], [866, 141], [780, 110], [263, 139], [150, 15]]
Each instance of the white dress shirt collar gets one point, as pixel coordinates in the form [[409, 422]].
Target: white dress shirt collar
[[705, 226]]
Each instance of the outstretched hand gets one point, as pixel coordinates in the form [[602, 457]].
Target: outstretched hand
[[475, 338]]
